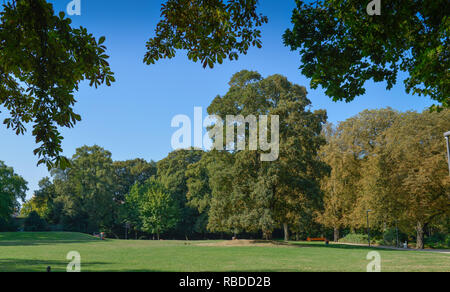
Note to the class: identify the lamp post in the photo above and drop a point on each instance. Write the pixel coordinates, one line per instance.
(368, 226)
(127, 226)
(447, 137)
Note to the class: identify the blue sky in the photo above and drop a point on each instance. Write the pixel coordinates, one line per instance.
(132, 119)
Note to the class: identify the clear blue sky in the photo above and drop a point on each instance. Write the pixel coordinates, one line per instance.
(132, 118)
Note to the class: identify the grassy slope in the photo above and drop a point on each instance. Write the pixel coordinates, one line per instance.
(36, 251)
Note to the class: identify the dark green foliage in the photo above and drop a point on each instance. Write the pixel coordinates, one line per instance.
(172, 174)
(249, 194)
(42, 61)
(8, 224)
(355, 238)
(342, 47)
(390, 237)
(88, 196)
(438, 240)
(151, 208)
(12, 189)
(128, 173)
(35, 223)
(210, 31)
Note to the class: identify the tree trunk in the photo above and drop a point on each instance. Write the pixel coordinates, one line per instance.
(157, 235)
(286, 232)
(420, 244)
(336, 234)
(267, 235)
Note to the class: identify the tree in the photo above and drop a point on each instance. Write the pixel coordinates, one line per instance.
(392, 163)
(157, 210)
(42, 61)
(172, 174)
(210, 31)
(340, 186)
(130, 172)
(34, 222)
(12, 189)
(199, 193)
(358, 139)
(342, 46)
(266, 194)
(86, 191)
(126, 175)
(419, 175)
(42, 200)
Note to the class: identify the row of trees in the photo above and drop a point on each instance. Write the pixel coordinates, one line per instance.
(393, 164)
(326, 177)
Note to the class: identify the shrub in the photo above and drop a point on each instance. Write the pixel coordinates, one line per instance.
(8, 225)
(35, 223)
(356, 238)
(390, 237)
(438, 240)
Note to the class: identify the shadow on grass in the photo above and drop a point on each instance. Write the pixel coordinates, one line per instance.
(25, 265)
(344, 247)
(43, 242)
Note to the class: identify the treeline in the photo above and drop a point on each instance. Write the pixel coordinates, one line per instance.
(324, 182)
(392, 164)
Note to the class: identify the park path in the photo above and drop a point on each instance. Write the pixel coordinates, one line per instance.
(441, 251)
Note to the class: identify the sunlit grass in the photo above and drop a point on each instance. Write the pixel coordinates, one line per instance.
(36, 251)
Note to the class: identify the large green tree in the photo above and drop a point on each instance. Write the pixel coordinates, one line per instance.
(12, 190)
(86, 191)
(127, 173)
(42, 200)
(172, 174)
(43, 59)
(277, 193)
(155, 208)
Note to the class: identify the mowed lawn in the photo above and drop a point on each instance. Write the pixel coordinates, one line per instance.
(23, 252)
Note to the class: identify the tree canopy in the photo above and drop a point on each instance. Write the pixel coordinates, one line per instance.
(12, 190)
(43, 59)
(342, 47)
(391, 163)
(247, 193)
(157, 211)
(210, 31)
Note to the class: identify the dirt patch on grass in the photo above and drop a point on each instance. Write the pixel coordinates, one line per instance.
(240, 243)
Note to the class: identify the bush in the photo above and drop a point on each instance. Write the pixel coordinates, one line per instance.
(438, 240)
(356, 238)
(35, 223)
(390, 237)
(8, 225)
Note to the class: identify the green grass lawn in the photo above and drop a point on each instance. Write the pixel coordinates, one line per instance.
(35, 251)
